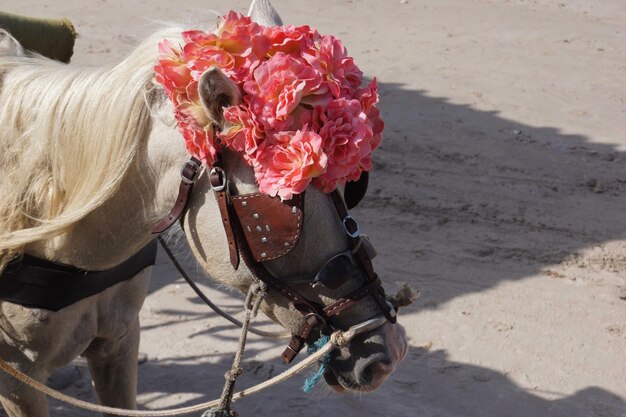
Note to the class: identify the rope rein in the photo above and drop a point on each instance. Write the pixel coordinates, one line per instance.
(337, 339)
(256, 293)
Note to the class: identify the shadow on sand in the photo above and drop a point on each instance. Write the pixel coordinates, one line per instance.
(417, 388)
(524, 197)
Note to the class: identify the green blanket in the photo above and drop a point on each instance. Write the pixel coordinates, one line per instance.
(53, 38)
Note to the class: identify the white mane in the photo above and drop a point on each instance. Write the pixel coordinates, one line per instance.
(68, 135)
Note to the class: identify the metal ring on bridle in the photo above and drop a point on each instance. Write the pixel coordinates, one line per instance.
(392, 309)
(217, 172)
(196, 169)
(322, 323)
(354, 231)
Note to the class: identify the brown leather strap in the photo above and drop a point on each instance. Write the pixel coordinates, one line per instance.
(311, 322)
(316, 320)
(189, 174)
(219, 183)
(352, 298)
(222, 203)
(309, 309)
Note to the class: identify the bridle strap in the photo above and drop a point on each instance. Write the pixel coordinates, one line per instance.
(315, 316)
(364, 260)
(218, 180)
(189, 175)
(219, 183)
(298, 340)
(352, 298)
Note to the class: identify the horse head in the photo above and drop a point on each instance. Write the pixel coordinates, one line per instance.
(370, 358)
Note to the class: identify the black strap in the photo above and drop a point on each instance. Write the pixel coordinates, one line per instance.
(38, 283)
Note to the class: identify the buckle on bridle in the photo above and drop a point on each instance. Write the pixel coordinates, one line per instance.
(217, 178)
(189, 171)
(393, 310)
(351, 226)
(320, 322)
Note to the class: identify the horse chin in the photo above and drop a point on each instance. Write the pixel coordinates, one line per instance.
(332, 382)
(341, 386)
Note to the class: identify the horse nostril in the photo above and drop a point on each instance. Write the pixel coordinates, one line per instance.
(367, 375)
(375, 374)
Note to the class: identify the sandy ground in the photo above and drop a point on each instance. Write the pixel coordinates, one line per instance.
(499, 191)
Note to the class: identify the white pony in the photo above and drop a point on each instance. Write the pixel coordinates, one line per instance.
(89, 162)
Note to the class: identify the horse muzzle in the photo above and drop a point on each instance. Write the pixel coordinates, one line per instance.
(368, 360)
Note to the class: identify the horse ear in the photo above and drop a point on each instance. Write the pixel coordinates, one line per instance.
(355, 190)
(216, 92)
(263, 13)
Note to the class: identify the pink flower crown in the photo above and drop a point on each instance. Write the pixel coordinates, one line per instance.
(304, 116)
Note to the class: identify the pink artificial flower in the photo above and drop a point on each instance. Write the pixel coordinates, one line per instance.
(201, 58)
(368, 97)
(278, 86)
(233, 21)
(331, 59)
(293, 159)
(347, 140)
(237, 48)
(202, 52)
(171, 71)
(305, 115)
(243, 133)
(291, 40)
(245, 41)
(200, 142)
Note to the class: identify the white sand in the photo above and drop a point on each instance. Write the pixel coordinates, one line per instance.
(499, 191)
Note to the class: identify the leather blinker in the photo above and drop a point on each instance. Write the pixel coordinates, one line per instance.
(355, 190)
(271, 227)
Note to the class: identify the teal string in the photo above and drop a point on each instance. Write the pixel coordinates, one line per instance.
(314, 377)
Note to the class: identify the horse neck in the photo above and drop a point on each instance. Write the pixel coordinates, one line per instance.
(123, 224)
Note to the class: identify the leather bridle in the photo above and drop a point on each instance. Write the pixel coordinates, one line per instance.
(279, 225)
